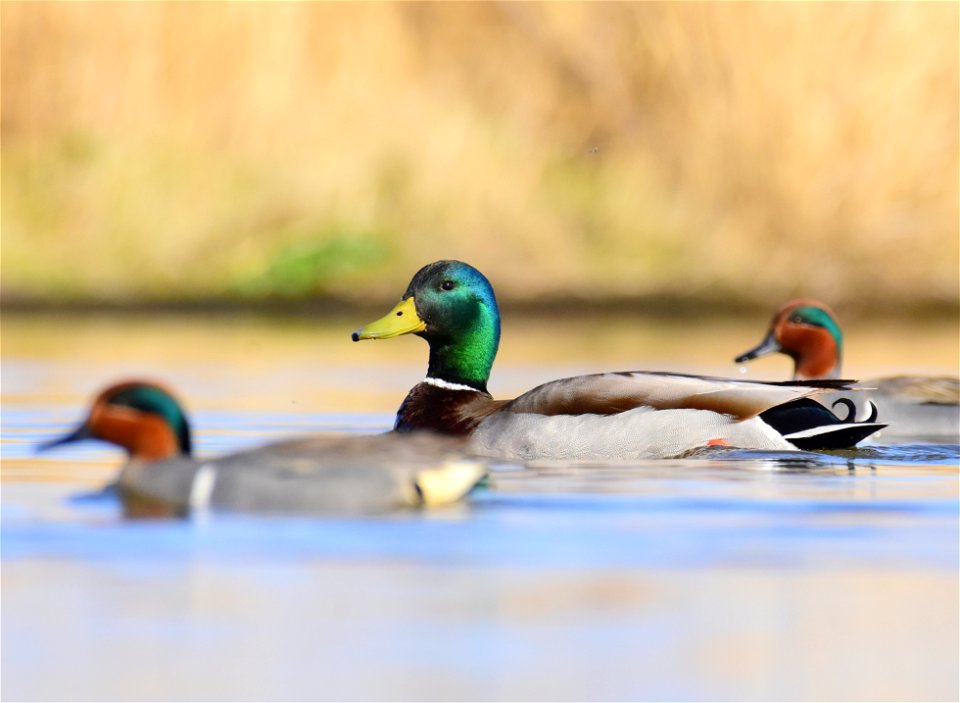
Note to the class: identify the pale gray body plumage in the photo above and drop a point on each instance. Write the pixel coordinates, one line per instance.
(342, 475)
(642, 433)
(633, 415)
(923, 408)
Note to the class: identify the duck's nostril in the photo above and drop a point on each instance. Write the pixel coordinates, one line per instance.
(399, 314)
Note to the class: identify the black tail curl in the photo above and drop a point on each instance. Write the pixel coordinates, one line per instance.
(852, 410)
(809, 425)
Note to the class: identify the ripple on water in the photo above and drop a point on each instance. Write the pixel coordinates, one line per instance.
(920, 454)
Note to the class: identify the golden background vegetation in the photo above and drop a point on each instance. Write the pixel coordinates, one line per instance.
(724, 153)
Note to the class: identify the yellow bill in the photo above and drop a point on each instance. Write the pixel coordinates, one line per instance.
(403, 319)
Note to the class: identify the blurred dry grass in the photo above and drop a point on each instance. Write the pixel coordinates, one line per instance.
(740, 152)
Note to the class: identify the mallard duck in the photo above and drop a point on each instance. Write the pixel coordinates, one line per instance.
(322, 474)
(602, 416)
(808, 332)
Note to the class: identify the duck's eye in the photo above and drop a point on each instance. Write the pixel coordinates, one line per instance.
(797, 319)
(447, 285)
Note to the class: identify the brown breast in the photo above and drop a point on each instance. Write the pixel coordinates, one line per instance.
(452, 412)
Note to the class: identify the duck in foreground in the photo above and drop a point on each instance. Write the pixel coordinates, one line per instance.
(343, 475)
(605, 416)
(807, 330)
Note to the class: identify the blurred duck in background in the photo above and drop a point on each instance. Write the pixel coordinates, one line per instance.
(322, 474)
(607, 416)
(918, 407)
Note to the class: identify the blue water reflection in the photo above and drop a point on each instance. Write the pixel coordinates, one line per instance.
(729, 574)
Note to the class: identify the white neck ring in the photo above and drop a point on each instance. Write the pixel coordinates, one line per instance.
(446, 385)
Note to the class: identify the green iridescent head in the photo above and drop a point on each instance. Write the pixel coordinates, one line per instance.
(452, 306)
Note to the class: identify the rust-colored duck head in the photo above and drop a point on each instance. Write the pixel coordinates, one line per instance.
(807, 331)
(140, 416)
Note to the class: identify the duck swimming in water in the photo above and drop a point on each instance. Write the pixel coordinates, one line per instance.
(605, 416)
(807, 330)
(322, 474)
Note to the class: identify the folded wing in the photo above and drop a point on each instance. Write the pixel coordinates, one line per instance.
(612, 393)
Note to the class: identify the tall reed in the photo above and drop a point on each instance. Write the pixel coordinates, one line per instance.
(743, 152)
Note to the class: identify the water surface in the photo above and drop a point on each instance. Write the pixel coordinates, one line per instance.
(727, 575)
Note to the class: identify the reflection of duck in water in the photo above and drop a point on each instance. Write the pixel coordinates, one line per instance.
(311, 475)
(806, 330)
(601, 416)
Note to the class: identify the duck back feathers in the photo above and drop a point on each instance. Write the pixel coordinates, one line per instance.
(612, 393)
